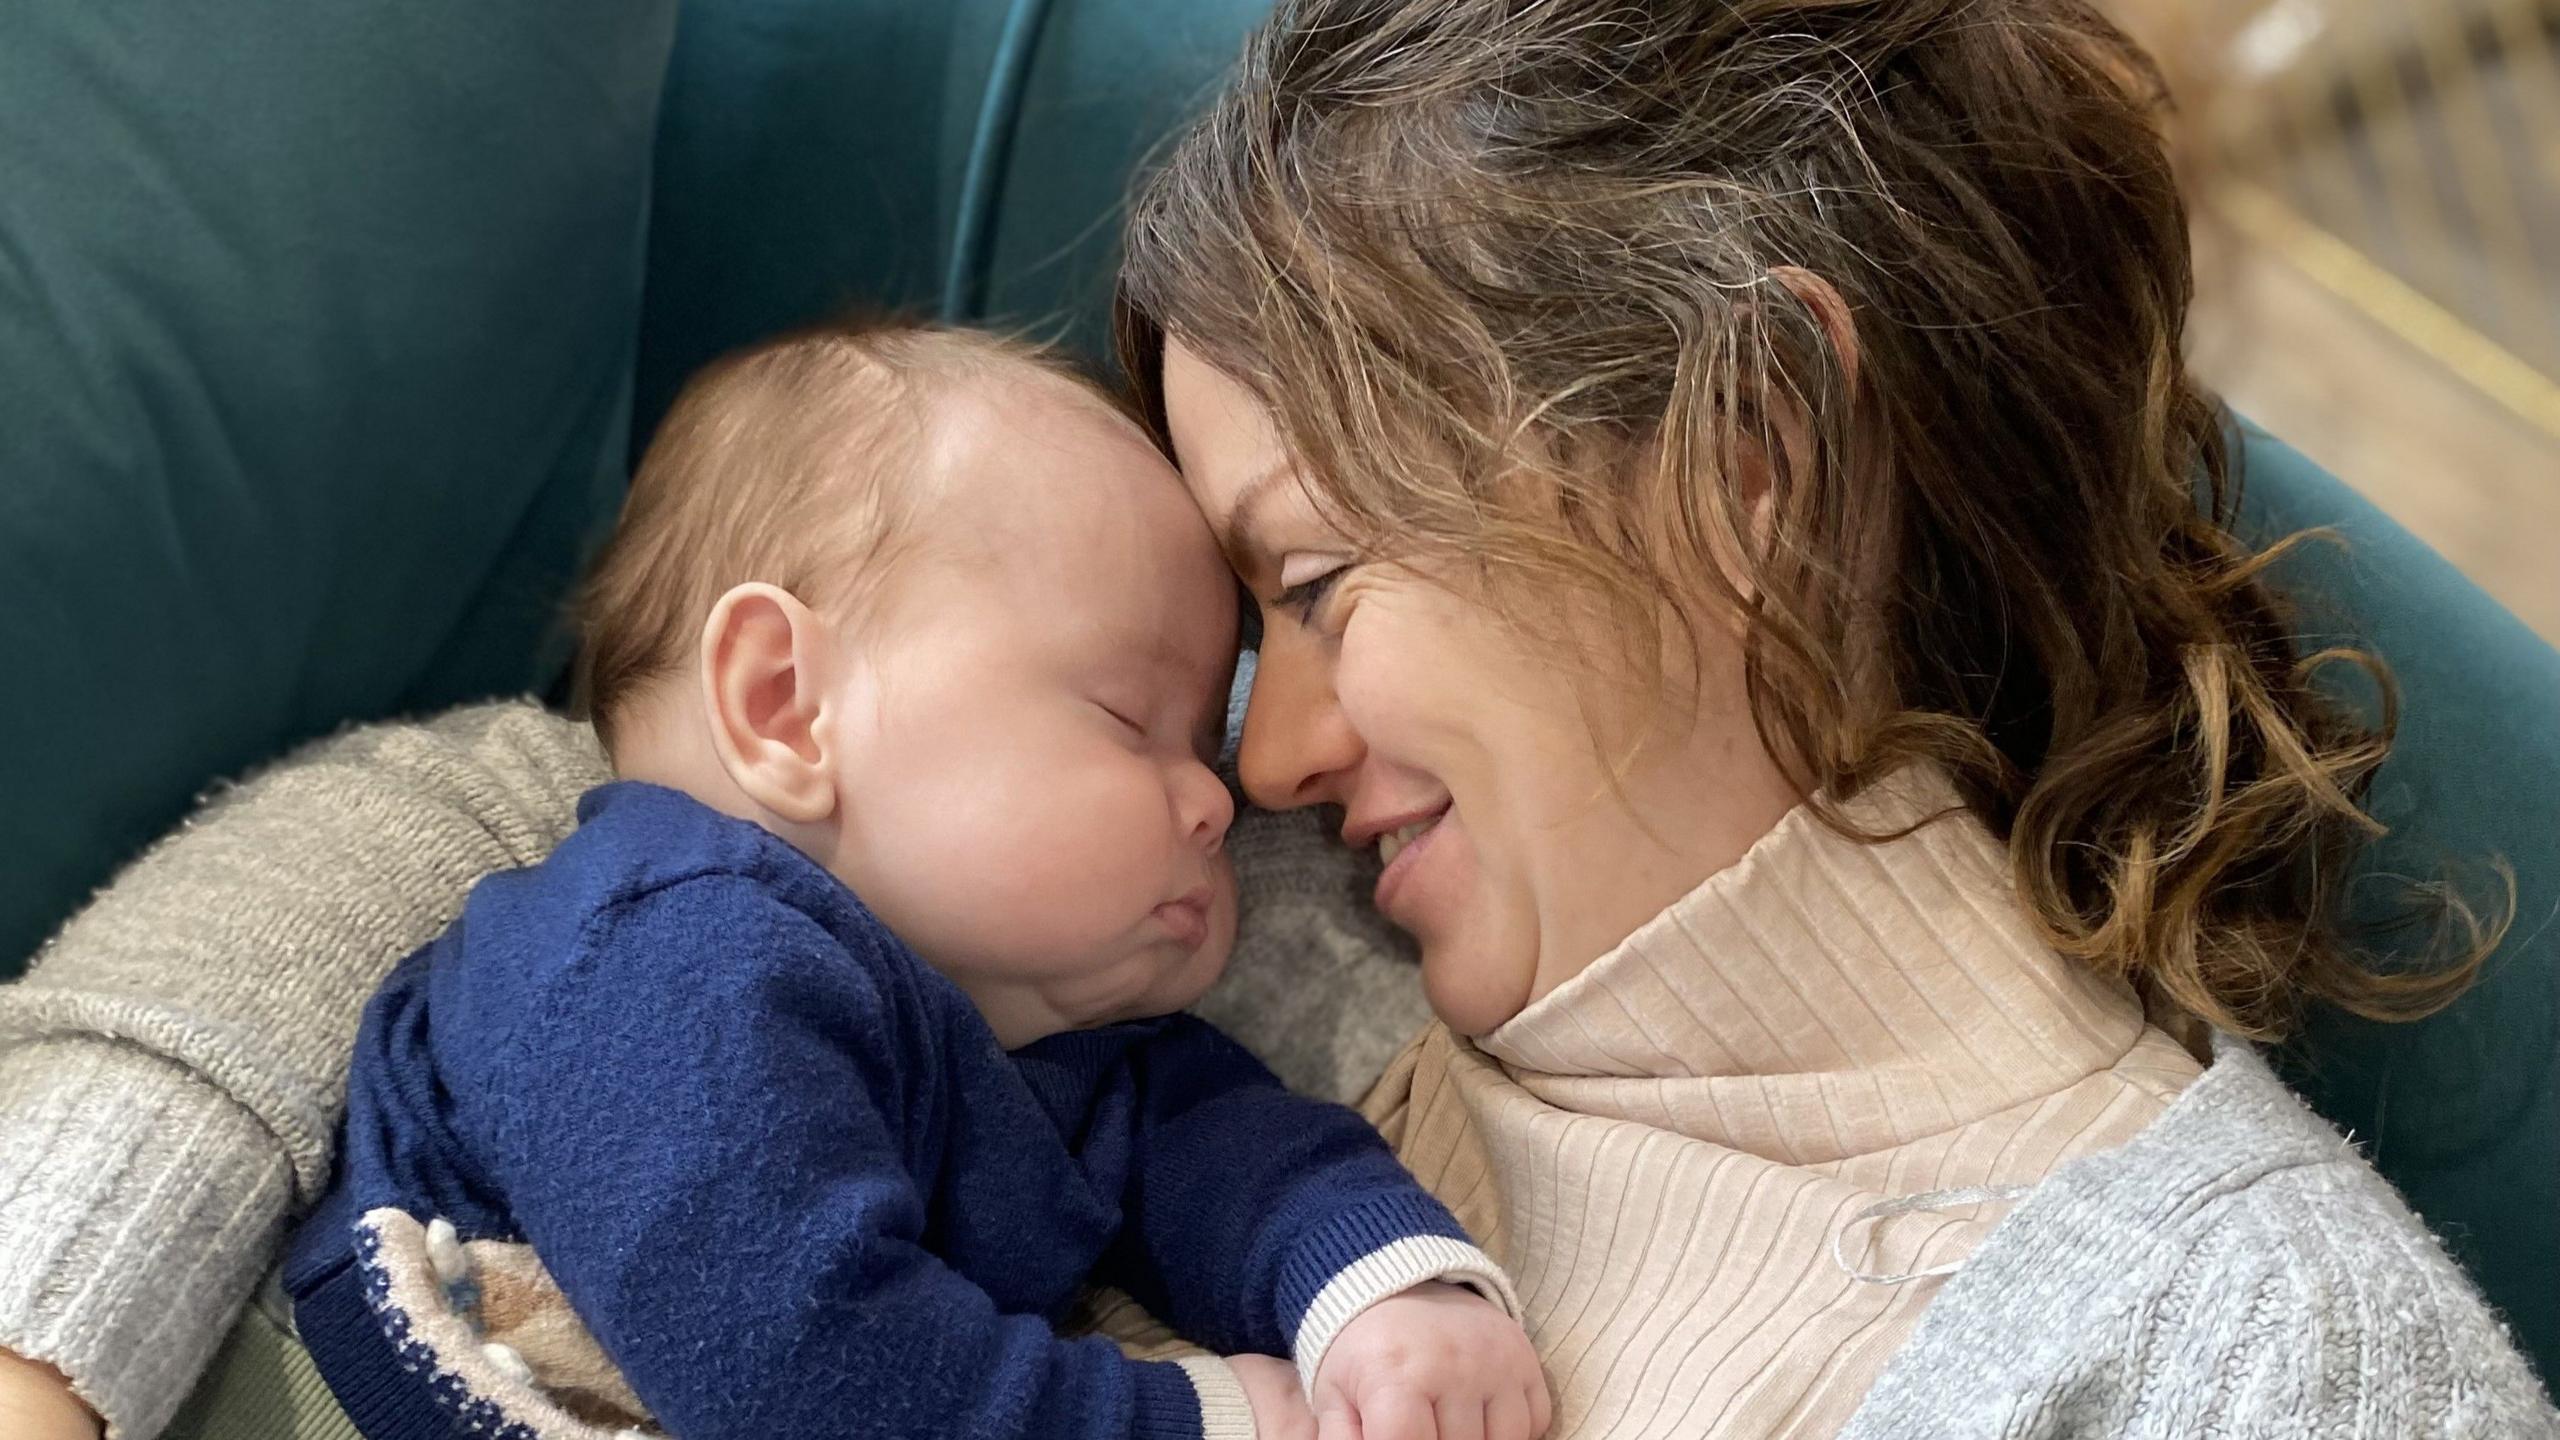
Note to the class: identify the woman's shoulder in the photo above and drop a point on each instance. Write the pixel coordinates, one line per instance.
(2287, 1252)
(2238, 1264)
(516, 742)
(2240, 1153)
(2254, 1172)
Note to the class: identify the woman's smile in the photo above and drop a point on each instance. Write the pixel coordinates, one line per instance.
(1403, 847)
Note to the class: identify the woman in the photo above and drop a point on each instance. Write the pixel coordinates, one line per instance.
(1715, 480)
(1627, 423)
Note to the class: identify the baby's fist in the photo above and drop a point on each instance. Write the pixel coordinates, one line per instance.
(1437, 1362)
(1271, 1387)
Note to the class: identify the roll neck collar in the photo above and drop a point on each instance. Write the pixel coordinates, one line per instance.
(1826, 987)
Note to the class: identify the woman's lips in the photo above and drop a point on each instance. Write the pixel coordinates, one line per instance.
(1395, 878)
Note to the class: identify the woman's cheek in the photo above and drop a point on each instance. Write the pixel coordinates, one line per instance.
(1364, 652)
(1386, 660)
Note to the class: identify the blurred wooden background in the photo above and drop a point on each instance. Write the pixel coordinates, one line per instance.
(2377, 188)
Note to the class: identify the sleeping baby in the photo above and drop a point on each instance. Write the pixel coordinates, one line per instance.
(836, 1053)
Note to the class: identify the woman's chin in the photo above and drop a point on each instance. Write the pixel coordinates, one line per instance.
(1473, 988)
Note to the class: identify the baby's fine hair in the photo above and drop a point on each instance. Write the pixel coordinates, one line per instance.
(795, 462)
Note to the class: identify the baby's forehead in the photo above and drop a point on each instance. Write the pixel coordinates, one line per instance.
(1032, 397)
(1015, 443)
(1052, 495)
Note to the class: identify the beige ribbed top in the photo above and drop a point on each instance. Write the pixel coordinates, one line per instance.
(1664, 1150)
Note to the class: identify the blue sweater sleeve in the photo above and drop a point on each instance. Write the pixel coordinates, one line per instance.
(697, 1126)
(1246, 1200)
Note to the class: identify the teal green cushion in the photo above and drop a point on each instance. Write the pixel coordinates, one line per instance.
(818, 154)
(1109, 84)
(315, 345)
(2461, 1111)
(798, 172)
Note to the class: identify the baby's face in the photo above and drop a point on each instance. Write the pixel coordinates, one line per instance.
(1030, 717)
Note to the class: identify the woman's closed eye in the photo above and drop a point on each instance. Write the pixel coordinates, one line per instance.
(1300, 597)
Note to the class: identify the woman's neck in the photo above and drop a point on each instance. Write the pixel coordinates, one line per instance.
(1863, 993)
(1689, 833)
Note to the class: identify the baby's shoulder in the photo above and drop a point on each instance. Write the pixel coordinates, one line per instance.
(562, 941)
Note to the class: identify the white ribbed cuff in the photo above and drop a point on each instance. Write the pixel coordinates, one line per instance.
(138, 1206)
(1225, 1414)
(1391, 1270)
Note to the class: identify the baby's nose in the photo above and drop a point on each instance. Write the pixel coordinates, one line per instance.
(1206, 808)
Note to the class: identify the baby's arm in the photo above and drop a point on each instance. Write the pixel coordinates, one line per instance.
(708, 1158)
(1264, 1221)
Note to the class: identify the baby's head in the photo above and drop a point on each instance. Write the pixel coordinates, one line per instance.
(927, 605)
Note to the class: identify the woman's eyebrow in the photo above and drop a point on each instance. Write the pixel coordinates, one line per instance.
(1240, 530)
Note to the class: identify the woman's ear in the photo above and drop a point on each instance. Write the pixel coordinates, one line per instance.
(765, 664)
(1829, 310)
(1788, 425)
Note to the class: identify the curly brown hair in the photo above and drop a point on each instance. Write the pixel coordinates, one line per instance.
(1516, 280)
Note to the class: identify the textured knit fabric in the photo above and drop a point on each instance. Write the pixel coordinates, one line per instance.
(142, 1182)
(178, 1053)
(2234, 1270)
(261, 1385)
(173, 1067)
(792, 1183)
(2237, 1269)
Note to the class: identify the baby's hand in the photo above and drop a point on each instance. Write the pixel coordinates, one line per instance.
(1436, 1361)
(1279, 1402)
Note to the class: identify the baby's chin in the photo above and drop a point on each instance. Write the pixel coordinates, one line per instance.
(1188, 977)
(1192, 976)
(1151, 982)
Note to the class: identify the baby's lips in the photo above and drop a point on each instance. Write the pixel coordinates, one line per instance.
(1187, 919)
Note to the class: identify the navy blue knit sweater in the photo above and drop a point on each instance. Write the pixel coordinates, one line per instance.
(788, 1178)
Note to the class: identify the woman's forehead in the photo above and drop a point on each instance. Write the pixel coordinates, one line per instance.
(1219, 426)
(1230, 453)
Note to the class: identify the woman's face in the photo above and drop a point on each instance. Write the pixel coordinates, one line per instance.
(1465, 757)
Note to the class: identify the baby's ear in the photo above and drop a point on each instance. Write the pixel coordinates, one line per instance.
(764, 662)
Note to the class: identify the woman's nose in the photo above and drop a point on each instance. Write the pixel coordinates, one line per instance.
(1297, 748)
